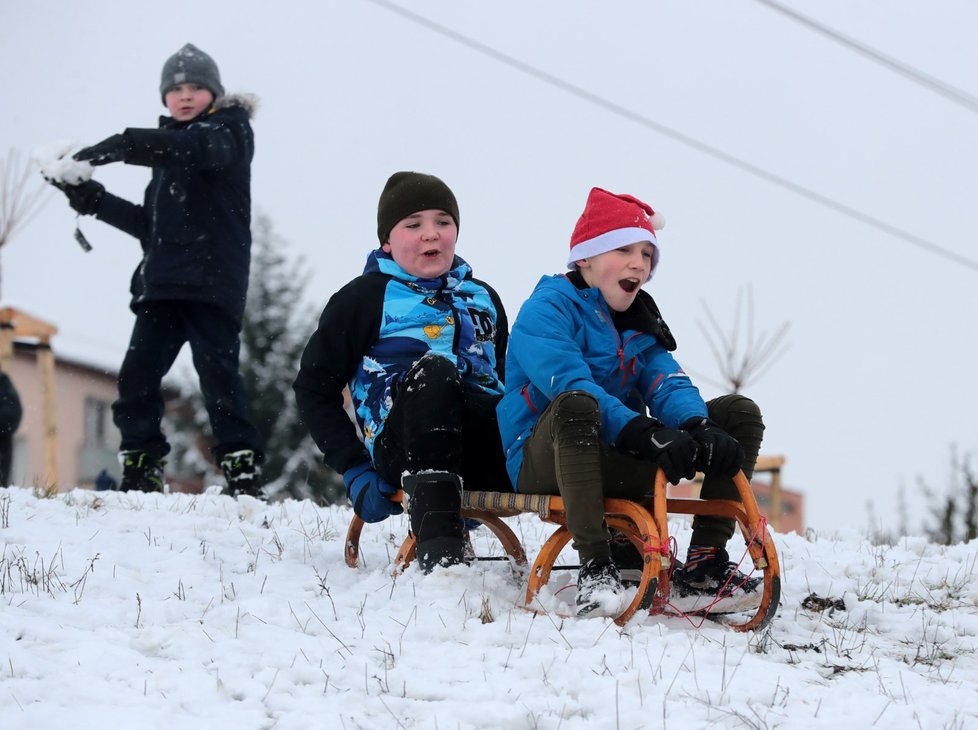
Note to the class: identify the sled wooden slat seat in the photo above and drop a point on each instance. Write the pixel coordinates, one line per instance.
(644, 523)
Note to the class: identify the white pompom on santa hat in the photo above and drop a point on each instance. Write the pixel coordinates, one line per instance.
(610, 221)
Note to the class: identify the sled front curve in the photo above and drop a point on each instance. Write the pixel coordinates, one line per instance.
(760, 545)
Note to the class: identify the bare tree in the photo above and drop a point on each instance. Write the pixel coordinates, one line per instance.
(18, 204)
(741, 354)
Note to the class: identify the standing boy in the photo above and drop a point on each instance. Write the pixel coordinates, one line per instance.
(194, 228)
(420, 343)
(589, 354)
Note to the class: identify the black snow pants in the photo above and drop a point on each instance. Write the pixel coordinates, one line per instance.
(160, 331)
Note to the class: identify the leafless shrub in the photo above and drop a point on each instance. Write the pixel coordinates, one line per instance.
(741, 354)
(19, 200)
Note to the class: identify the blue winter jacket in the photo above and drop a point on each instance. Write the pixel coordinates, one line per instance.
(565, 339)
(374, 329)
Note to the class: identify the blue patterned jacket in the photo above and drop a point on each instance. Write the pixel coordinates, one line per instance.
(374, 329)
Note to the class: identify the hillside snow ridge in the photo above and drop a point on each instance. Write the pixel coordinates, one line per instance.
(163, 611)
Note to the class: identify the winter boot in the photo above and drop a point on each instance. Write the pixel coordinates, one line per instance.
(241, 471)
(141, 471)
(599, 589)
(627, 557)
(710, 583)
(435, 504)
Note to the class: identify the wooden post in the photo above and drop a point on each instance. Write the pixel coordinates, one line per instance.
(772, 465)
(6, 344)
(776, 508)
(45, 365)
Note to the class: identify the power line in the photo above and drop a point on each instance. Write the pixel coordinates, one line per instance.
(968, 101)
(684, 139)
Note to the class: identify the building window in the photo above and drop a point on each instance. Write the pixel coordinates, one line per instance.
(98, 422)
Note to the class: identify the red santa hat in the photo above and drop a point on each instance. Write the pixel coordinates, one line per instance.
(611, 221)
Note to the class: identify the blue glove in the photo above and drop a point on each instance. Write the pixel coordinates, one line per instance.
(369, 493)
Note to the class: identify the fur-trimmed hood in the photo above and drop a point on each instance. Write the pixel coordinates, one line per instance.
(248, 102)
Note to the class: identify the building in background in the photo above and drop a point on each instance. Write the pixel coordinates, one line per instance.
(87, 440)
(768, 490)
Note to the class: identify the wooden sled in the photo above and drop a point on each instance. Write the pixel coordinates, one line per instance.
(644, 523)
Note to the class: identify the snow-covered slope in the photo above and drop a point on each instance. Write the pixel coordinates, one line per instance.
(166, 611)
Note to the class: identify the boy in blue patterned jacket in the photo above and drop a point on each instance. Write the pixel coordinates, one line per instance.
(421, 345)
(589, 356)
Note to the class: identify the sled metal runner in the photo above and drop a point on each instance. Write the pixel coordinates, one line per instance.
(644, 523)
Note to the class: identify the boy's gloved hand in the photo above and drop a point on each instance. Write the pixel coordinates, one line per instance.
(83, 198)
(720, 453)
(110, 149)
(370, 493)
(673, 450)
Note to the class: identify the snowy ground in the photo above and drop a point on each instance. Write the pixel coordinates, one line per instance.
(166, 611)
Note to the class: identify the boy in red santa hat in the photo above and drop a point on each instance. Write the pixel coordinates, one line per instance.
(595, 403)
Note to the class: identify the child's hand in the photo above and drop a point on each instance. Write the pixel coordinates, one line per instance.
(369, 493)
(673, 451)
(720, 453)
(83, 198)
(110, 149)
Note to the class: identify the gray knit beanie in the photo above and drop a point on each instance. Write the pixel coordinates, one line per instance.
(190, 65)
(408, 192)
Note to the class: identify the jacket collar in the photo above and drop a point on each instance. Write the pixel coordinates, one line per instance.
(642, 316)
(380, 262)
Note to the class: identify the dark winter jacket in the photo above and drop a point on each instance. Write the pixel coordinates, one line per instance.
(195, 221)
(10, 408)
(566, 338)
(374, 329)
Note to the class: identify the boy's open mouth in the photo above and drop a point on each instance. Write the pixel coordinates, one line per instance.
(629, 285)
(432, 253)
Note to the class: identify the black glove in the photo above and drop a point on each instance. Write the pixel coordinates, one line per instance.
(720, 453)
(84, 198)
(110, 149)
(674, 451)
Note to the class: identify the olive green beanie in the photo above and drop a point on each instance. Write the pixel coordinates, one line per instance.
(408, 192)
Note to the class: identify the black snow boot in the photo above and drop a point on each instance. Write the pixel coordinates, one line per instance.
(242, 473)
(435, 504)
(599, 588)
(141, 471)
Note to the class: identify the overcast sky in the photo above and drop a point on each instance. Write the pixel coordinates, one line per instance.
(876, 385)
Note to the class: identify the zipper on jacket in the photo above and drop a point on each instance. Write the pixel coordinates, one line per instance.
(153, 233)
(655, 384)
(450, 301)
(631, 367)
(622, 366)
(525, 392)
